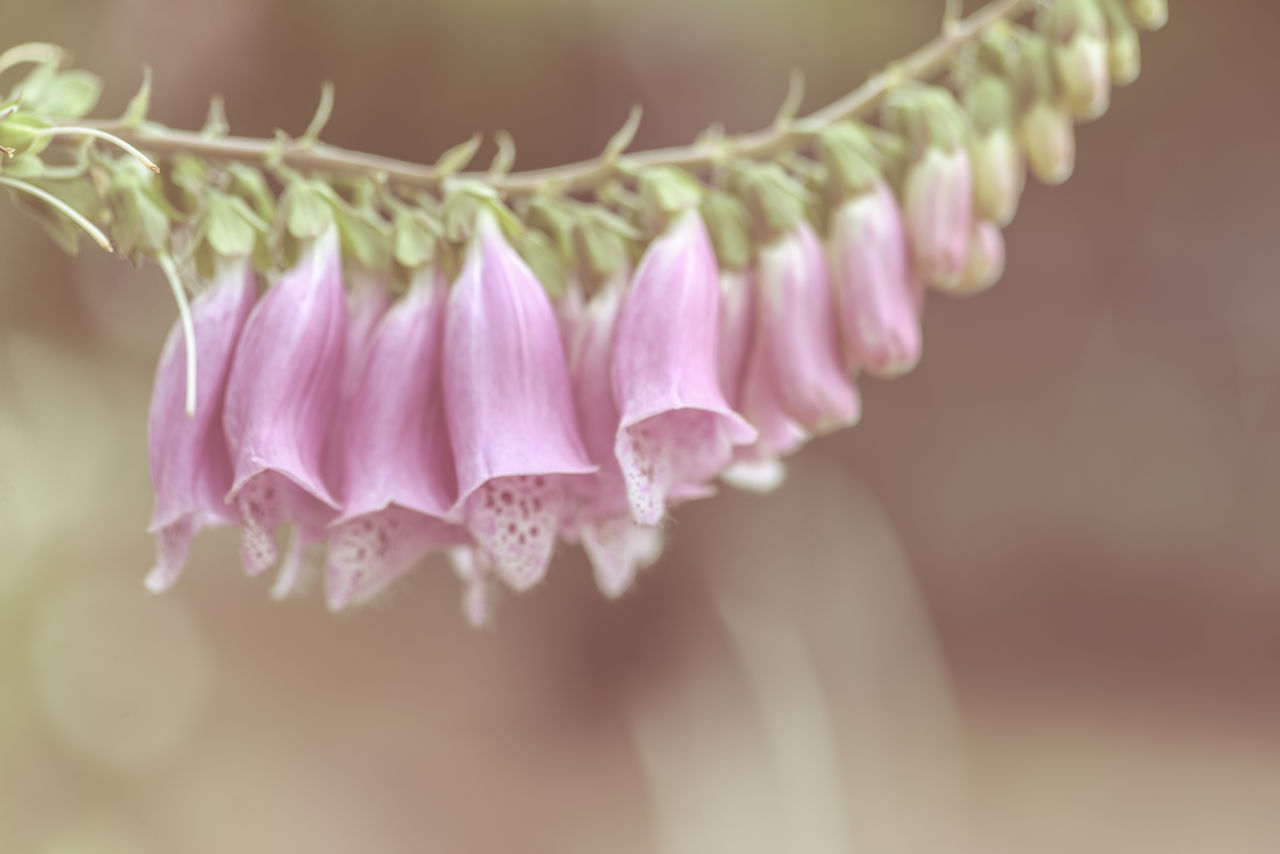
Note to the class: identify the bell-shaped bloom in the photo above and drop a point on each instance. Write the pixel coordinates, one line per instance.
(938, 208)
(616, 546)
(676, 428)
(737, 325)
(877, 295)
(397, 464)
(511, 419)
(282, 394)
(796, 333)
(1050, 139)
(986, 259)
(190, 464)
(999, 174)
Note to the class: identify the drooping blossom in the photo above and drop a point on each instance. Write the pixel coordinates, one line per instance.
(282, 394)
(398, 481)
(676, 429)
(616, 546)
(876, 292)
(1049, 137)
(367, 301)
(938, 209)
(796, 333)
(1078, 29)
(190, 465)
(511, 419)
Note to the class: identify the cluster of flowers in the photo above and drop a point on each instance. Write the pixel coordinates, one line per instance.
(480, 417)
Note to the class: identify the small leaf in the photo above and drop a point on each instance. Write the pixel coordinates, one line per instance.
(456, 159)
(136, 111)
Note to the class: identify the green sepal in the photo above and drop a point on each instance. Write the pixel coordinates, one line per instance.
(1033, 78)
(189, 174)
(308, 208)
(776, 201)
(602, 246)
(665, 192)
(413, 238)
(251, 185)
(547, 264)
(365, 236)
(233, 229)
(140, 214)
(21, 132)
(136, 110)
(851, 159)
(729, 225)
(78, 192)
(989, 101)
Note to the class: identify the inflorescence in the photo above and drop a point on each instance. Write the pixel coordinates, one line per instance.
(486, 363)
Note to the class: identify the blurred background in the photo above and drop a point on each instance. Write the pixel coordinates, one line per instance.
(1028, 605)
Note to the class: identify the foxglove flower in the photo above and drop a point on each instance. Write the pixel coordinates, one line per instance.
(397, 466)
(367, 301)
(282, 393)
(510, 411)
(676, 428)
(796, 333)
(190, 464)
(876, 293)
(938, 206)
(1079, 30)
(1050, 139)
(616, 546)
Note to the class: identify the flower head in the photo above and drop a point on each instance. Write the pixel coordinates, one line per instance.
(676, 429)
(190, 464)
(511, 419)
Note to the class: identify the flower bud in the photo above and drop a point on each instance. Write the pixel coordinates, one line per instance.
(999, 174)
(1049, 137)
(1124, 54)
(1078, 31)
(986, 260)
(1149, 14)
(938, 206)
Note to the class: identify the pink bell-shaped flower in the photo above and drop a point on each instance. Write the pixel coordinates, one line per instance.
(616, 546)
(676, 428)
(397, 465)
(190, 464)
(282, 394)
(938, 206)
(510, 411)
(796, 333)
(876, 292)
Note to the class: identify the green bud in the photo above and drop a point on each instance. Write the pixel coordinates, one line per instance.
(1124, 54)
(1049, 138)
(999, 174)
(1078, 33)
(1149, 14)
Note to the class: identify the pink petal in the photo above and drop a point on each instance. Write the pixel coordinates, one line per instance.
(618, 548)
(282, 392)
(190, 465)
(676, 427)
(938, 206)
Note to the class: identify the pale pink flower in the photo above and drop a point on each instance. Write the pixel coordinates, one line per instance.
(676, 428)
(877, 295)
(796, 334)
(511, 420)
(397, 465)
(938, 210)
(190, 464)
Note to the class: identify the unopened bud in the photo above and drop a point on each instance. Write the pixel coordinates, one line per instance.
(1149, 14)
(1049, 138)
(986, 260)
(1078, 31)
(1124, 55)
(999, 174)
